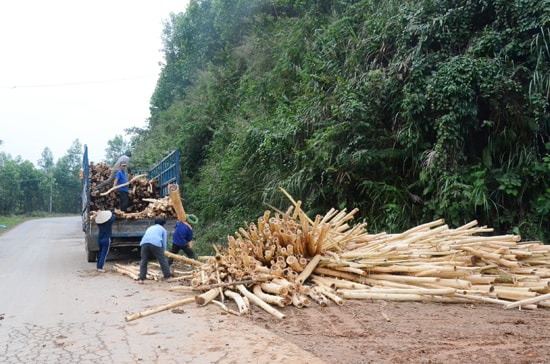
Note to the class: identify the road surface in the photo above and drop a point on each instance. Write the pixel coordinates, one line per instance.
(56, 308)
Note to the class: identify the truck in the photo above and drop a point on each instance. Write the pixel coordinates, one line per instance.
(127, 233)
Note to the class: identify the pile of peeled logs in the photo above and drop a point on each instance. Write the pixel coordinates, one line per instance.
(286, 258)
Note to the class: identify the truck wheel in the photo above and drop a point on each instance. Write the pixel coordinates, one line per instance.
(92, 256)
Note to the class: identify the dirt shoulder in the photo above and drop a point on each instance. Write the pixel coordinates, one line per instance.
(415, 332)
(367, 331)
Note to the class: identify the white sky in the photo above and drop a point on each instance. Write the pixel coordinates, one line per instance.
(92, 65)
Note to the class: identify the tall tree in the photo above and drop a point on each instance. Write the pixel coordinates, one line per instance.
(67, 177)
(46, 162)
(35, 197)
(10, 191)
(115, 148)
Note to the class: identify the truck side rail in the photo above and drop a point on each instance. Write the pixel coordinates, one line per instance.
(166, 172)
(85, 196)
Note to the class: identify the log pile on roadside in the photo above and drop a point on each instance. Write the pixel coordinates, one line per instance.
(288, 259)
(145, 201)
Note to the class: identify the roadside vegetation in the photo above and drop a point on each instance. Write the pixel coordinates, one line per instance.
(408, 110)
(51, 187)
(8, 222)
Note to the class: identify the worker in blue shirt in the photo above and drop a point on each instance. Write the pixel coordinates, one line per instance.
(183, 234)
(123, 191)
(153, 244)
(124, 159)
(104, 221)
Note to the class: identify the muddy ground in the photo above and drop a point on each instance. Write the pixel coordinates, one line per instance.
(369, 331)
(415, 332)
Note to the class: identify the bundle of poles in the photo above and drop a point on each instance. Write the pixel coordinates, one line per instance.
(286, 258)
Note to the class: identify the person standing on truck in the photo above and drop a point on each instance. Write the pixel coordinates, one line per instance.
(121, 179)
(122, 159)
(183, 235)
(153, 244)
(104, 221)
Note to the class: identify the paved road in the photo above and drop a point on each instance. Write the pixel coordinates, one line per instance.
(55, 308)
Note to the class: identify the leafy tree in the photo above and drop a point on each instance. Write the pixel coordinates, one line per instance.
(115, 148)
(34, 196)
(46, 161)
(10, 191)
(67, 177)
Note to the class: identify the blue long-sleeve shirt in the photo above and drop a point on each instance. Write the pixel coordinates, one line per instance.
(182, 234)
(105, 229)
(121, 179)
(155, 235)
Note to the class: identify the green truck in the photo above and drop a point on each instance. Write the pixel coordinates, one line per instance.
(127, 233)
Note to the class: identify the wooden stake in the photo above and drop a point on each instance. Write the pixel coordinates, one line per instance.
(122, 185)
(241, 304)
(527, 301)
(308, 269)
(160, 308)
(205, 287)
(266, 307)
(174, 192)
(181, 258)
(206, 297)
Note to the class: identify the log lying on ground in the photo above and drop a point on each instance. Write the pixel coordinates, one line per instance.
(182, 258)
(160, 308)
(266, 307)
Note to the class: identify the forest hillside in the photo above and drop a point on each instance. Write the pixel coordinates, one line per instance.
(408, 110)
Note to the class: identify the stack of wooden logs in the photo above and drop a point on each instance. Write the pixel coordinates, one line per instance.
(145, 201)
(288, 259)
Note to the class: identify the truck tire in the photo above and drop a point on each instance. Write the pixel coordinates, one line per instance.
(92, 256)
(91, 251)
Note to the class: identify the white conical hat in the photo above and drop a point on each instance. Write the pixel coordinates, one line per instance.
(103, 216)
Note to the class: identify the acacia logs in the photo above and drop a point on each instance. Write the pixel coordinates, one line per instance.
(141, 194)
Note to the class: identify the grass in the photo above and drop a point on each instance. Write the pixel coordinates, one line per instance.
(11, 221)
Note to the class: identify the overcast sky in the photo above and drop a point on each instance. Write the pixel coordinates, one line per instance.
(73, 69)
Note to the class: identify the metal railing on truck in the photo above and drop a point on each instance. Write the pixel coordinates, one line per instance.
(166, 172)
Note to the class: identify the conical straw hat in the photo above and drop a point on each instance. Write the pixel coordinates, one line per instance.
(103, 216)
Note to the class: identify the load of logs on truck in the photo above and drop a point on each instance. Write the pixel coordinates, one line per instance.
(149, 198)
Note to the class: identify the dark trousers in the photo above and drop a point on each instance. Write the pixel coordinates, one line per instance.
(103, 245)
(124, 200)
(176, 249)
(148, 252)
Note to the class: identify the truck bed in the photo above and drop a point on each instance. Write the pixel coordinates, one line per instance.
(131, 230)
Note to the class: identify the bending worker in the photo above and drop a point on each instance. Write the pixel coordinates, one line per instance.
(153, 244)
(183, 235)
